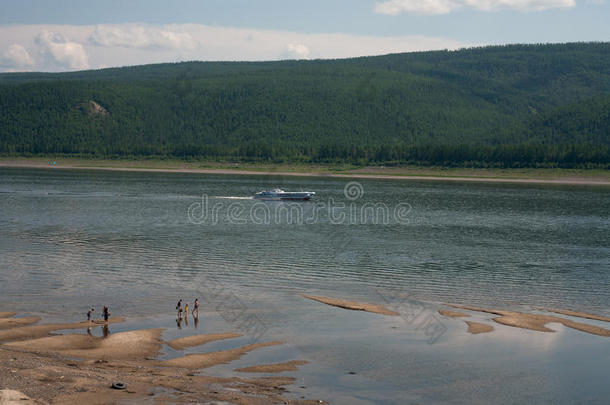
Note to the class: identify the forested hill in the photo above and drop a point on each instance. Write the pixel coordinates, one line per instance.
(517, 105)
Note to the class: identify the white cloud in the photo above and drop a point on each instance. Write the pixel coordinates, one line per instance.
(17, 56)
(296, 51)
(141, 36)
(519, 5)
(425, 7)
(435, 7)
(64, 52)
(132, 44)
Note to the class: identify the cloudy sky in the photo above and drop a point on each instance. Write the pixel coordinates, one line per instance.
(62, 35)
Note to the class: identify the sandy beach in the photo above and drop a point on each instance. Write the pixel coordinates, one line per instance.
(39, 368)
(364, 173)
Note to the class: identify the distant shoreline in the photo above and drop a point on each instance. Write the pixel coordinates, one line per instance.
(390, 173)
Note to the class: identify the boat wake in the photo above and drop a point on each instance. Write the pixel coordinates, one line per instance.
(232, 198)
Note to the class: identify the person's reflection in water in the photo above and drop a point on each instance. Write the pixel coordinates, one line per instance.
(186, 320)
(179, 322)
(106, 330)
(89, 331)
(196, 319)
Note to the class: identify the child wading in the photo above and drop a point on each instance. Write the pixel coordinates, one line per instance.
(196, 307)
(90, 315)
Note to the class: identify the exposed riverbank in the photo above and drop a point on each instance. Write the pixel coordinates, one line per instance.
(549, 176)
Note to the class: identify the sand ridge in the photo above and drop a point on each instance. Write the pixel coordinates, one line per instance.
(123, 345)
(9, 323)
(577, 314)
(205, 360)
(451, 314)
(476, 327)
(355, 306)
(7, 314)
(198, 340)
(535, 322)
(273, 368)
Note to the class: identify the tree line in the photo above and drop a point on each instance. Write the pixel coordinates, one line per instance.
(506, 106)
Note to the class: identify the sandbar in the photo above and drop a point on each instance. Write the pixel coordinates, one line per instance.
(577, 314)
(476, 327)
(205, 360)
(198, 340)
(451, 314)
(355, 306)
(273, 368)
(7, 314)
(535, 322)
(123, 345)
(7, 323)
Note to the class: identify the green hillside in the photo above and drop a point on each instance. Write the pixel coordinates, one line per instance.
(506, 106)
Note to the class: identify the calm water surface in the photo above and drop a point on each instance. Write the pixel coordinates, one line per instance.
(138, 241)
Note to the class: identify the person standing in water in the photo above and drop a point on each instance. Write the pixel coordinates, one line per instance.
(196, 308)
(186, 310)
(90, 315)
(106, 314)
(179, 308)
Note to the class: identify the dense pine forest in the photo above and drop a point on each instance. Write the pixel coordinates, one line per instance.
(500, 106)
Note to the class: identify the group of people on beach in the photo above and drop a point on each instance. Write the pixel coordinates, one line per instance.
(105, 317)
(105, 314)
(182, 312)
(185, 311)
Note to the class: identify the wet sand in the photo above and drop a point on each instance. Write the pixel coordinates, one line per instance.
(205, 360)
(577, 314)
(535, 322)
(477, 327)
(355, 306)
(6, 323)
(198, 340)
(37, 331)
(451, 314)
(124, 345)
(7, 314)
(273, 368)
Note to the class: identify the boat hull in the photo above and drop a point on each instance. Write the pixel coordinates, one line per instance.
(305, 198)
(281, 195)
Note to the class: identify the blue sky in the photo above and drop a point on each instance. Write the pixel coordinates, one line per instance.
(71, 35)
